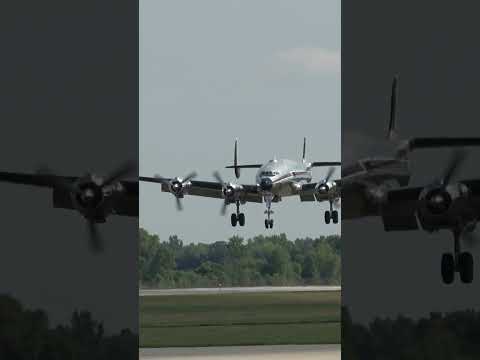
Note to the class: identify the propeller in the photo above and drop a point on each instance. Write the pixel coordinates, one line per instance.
(176, 186)
(89, 193)
(226, 190)
(438, 199)
(323, 187)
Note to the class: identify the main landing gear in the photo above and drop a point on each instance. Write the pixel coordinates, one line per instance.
(331, 215)
(238, 216)
(269, 211)
(461, 262)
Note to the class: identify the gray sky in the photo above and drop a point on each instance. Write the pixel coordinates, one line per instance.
(266, 72)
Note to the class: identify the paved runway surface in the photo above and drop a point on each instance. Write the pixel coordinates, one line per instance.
(230, 290)
(301, 352)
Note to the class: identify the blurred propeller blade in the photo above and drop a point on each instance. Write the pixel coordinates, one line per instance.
(330, 172)
(217, 177)
(122, 171)
(189, 176)
(223, 209)
(96, 243)
(58, 181)
(456, 161)
(178, 202)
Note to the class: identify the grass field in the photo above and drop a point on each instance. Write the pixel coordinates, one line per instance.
(240, 319)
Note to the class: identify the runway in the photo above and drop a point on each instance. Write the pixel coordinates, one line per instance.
(278, 352)
(231, 290)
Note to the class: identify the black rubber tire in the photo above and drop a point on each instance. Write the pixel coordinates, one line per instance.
(448, 268)
(327, 217)
(234, 219)
(465, 265)
(271, 223)
(241, 219)
(335, 216)
(266, 224)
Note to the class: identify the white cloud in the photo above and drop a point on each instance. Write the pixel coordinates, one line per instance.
(316, 60)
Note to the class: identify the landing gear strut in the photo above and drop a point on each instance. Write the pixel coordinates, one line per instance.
(269, 211)
(331, 215)
(238, 216)
(461, 262)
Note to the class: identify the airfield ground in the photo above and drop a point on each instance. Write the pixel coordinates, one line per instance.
(228, 319)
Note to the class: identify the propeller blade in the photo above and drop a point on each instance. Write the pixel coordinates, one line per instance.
(58, 181)
(330, 172)
(96, 243)
(456, 161)
(470, 238)
(223, 209)
(123, 170)
(178, 202)
(336, 203)
(217, 176)
(189, 177)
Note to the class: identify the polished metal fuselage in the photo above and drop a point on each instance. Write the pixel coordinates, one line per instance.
(286, 176)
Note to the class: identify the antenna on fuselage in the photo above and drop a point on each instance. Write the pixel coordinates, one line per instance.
(304, 148)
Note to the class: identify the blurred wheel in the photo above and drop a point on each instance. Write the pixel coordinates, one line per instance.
(448, 268)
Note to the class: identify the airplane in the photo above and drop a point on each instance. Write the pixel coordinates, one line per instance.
(366, 182)
(380, 187)
(443, 204)
(274, 180)
(93, 196)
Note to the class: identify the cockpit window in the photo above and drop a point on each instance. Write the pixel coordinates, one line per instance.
(269, 173)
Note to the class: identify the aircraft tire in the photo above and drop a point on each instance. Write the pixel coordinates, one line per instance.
(266, 224)
(241, 219)
(327, 217)
(234, 219)
(271, 223)
(465, 262)
(448, 268)
(335, 216)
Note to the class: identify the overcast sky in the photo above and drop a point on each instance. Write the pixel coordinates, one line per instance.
(266, 72)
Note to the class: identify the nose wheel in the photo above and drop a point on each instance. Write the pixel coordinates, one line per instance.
(461, 262)
(268, 223)
(331, 215)
(268, 212)
(238, 217)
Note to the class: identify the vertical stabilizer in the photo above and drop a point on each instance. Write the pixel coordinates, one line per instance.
(391, 134)
(235, 161)
(304, 148)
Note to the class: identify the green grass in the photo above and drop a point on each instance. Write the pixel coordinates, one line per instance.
(240, 319)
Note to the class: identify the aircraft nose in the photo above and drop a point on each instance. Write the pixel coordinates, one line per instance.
(266, 184)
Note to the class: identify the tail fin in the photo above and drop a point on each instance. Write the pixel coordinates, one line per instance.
(235, 161)
(391, 134)
(304, 148)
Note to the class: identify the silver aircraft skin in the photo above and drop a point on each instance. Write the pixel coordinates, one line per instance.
(274, 180)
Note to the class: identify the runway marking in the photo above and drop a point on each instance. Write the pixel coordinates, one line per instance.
(304, 352)
(232, 290)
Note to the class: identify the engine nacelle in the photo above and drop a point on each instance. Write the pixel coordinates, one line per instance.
(178, 187)
(231, 191)
(326, 191)
(443, 207)
(88, 193)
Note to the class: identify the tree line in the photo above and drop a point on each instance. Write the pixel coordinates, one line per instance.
(26, 334)
(437, 337)
(261, 260)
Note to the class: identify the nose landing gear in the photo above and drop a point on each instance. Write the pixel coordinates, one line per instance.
(269, 211)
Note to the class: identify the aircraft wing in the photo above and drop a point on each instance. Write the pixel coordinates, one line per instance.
(307, 192)
(125, 204)
(43, 180)
(211, 189)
